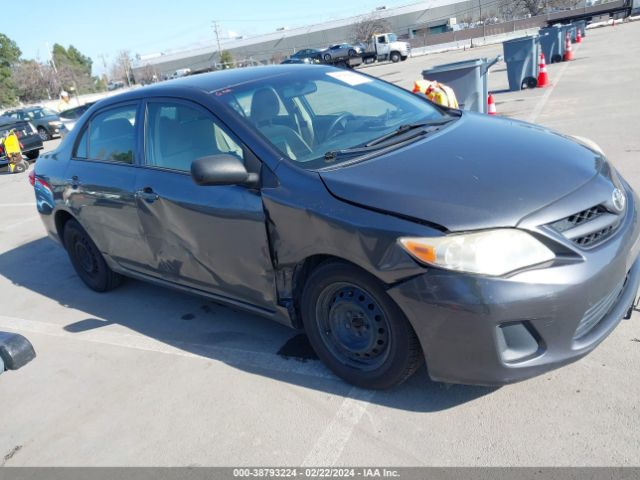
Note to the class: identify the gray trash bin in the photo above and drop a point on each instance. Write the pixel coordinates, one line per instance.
(552, 44)
(522, 56)
(468, 80)
(582, 26)
(571, 30)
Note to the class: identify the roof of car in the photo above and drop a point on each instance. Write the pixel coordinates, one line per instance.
(213, 81)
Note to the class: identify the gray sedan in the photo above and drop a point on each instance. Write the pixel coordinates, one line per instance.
(340, 50)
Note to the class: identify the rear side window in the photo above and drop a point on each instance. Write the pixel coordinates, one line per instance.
(110, 136)
(177, 134)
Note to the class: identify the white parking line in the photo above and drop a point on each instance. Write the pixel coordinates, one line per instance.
(543, 101)
(243, 359)
(331, 443)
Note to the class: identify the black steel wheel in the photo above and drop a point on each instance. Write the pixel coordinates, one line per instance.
(87, 260)
(356, 329)
(44, 135)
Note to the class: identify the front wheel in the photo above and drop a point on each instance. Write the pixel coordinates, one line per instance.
(44, 135)
(327, 58)
(87, 260)
(395, 57)
(356, 329)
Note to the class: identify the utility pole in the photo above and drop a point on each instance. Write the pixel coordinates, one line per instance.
(484, 26)
(217, 32)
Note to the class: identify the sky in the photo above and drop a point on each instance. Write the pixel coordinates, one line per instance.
(102, 28)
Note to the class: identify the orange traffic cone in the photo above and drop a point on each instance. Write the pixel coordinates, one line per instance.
(491, 110)
(568, 52)
(543, 76)
(579, 37)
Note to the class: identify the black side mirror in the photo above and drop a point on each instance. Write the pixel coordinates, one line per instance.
(223, 169)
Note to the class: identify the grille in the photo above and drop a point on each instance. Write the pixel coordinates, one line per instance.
(589, 227)
(592, 317)
(578, 218)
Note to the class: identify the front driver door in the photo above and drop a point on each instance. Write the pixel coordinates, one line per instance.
(209, 238)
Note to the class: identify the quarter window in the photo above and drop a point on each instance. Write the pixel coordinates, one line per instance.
(112, 136)
(178, 134)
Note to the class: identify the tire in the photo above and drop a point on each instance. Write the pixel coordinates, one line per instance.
(352, 53)
(356, 329)
(395, 57)
(327, 57)
(529, 82)
(87, 260)
(44, 135)
(21, 167)
(556, 58)
(33, 154)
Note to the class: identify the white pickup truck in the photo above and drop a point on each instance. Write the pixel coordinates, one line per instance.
(385, 46)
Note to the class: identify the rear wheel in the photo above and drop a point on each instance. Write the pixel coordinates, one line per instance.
(87, 260)
(327, 57)
(529, 82)
(356, 329)
(352, 53)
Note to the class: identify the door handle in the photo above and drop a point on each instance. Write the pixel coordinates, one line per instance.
(147, 194)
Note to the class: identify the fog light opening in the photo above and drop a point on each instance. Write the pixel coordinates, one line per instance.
(518, 341)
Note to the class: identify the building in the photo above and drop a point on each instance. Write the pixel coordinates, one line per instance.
(430, 16)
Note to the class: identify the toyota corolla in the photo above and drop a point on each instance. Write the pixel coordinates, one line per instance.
(391, 230)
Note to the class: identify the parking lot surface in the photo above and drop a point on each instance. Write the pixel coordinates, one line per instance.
(147, 376)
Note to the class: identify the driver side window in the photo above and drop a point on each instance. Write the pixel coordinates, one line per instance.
(178, 134)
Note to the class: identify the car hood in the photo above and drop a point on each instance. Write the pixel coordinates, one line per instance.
(479, 172)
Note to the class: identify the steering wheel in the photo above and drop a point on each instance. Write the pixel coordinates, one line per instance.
(338, 125)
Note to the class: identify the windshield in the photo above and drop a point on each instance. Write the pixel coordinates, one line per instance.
(41, 113)
(320, 110)
(393, 37)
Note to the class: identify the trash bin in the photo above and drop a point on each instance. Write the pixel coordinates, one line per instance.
(582, 26)
(468, 80)
(522, 55)
(571, 30)
(552, 44)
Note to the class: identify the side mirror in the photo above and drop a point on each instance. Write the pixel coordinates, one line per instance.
(223, 169)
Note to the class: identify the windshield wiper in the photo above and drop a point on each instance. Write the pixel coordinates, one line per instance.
(379, 143)
(408, 127)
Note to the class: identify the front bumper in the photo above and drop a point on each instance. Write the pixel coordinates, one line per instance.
(494, 331)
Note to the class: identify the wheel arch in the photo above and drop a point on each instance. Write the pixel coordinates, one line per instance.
(61, 218)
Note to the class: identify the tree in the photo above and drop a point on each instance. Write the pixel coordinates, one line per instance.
(121, 68)
(368, 26)
(9, 56)
(226, 59)
(34, 81)
(521, 8)
(72, 69)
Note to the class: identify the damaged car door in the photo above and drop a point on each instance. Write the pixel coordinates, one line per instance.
(211, 239)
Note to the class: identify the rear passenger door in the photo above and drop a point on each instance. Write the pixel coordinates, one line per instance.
(209, 238)
(100, 181)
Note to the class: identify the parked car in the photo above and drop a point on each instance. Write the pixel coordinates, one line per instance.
(390, 229)
(71, 116)
(46, 121)
(307, 55)
(115, 85)
(28, 135)
(340, 50)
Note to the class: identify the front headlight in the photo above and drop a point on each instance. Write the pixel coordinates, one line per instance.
(491, 252)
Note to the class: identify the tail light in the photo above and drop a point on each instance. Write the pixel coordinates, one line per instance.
(32, 177)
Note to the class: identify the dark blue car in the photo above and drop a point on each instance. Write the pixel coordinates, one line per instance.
(388, 228)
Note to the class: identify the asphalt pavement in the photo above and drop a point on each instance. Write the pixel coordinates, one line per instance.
(148, 376)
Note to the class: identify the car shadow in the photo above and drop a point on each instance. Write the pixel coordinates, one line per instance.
(199, 327)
